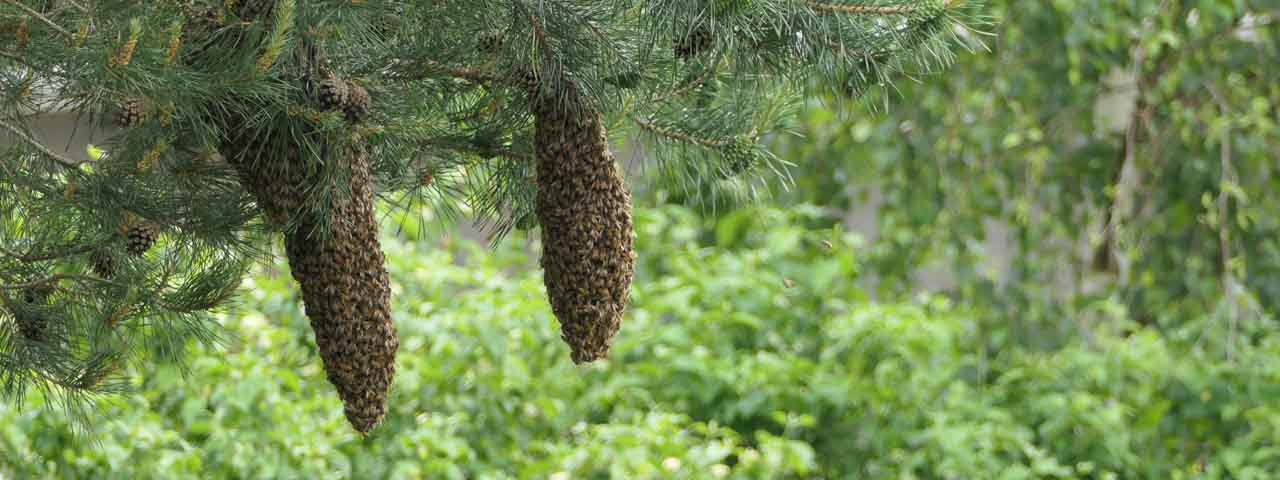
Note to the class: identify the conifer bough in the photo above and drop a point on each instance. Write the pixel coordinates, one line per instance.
(239, 119)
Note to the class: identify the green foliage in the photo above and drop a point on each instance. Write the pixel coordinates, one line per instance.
(204, 91)
(1129, 147)
(749, 353)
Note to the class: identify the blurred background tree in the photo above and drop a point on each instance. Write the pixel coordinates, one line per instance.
(1106, 159)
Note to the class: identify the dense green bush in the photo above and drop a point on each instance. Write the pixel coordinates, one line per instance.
(750, 352)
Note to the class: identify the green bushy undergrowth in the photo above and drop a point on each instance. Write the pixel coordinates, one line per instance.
(759, 357)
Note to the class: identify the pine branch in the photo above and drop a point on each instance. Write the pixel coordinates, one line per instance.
(466, 73)
(42, 18)
(486, 152)
(677, 135)
(689, 86)
(30, 258)
(53, 279)
(539, 33)
(78, 6)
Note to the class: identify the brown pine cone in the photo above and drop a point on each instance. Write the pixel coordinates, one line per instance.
(332, 94)
(140, 237)
(129, 114)
(694, 43)
(103, 264)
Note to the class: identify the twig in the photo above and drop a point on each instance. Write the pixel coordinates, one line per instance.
(538, 32)
(686, 88)
(677, 135)
(495, 151)
(40, 17)
(67, 162)
(466, 73)
(55, 278)
(872, 9)
(78, 6)
(29, 257)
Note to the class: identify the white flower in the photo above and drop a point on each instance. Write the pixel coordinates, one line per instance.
(720, 470)
(671, 464)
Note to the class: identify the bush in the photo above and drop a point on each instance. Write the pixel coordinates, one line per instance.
(750, 351)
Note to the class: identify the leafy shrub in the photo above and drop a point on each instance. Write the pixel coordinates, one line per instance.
(749, 352)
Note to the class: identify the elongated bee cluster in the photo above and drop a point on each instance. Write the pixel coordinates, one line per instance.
(584, 208)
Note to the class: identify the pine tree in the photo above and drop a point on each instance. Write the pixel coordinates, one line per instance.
(246, 120)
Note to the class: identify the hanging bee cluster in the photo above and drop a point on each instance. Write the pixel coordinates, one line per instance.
(340, 269)
(336, 258)
(358, 104)
(347, 293)
(490, 41)
(584, 208)
(335, 255)
(331, 94)
(345, 286)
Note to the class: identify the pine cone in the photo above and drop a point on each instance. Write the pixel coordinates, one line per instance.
(93, 374)
(738, 157)
(584, 208)
(129, 114)
(140, 237)
(695, 42)
(530, 83)
(103, 264)
(358, 103)
(200, 22)
(344, 283)
(490, 42)
(31, 324)
(35, 296)
(332, 94)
